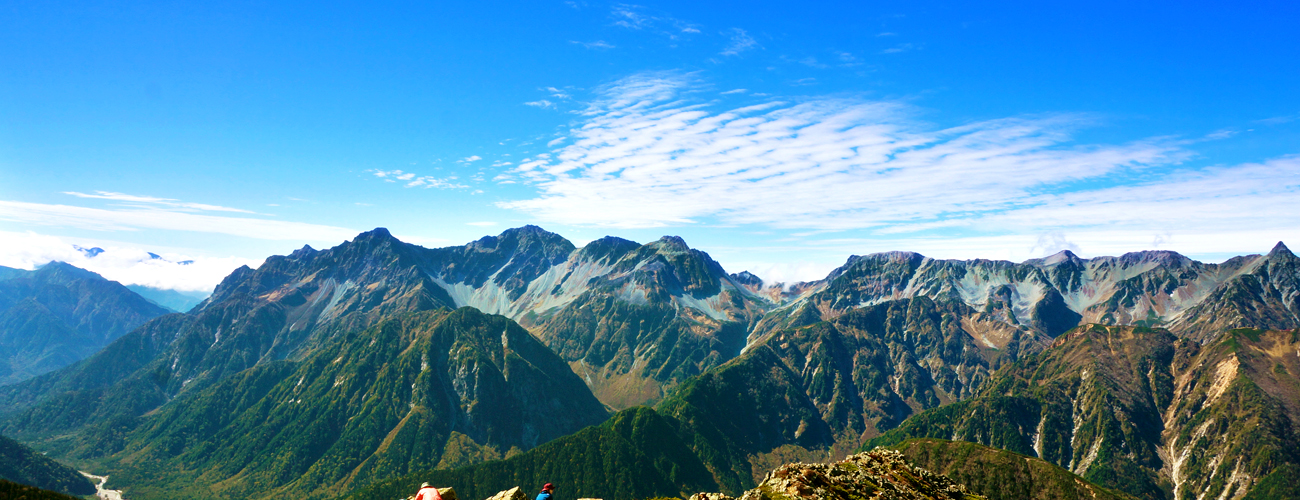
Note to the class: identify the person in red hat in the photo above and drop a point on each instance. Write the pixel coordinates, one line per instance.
(547, 489)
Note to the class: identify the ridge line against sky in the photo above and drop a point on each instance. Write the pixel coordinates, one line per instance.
(779, 142)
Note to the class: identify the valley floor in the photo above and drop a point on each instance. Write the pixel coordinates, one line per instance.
(100, 492)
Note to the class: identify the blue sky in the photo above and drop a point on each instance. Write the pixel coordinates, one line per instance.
(780, 138)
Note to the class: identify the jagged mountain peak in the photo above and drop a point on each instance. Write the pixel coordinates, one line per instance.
(893, 255)
(525, 236)
(364, 245)
(528, 229)
(1061, 257)
(608, 249)
(376, 233)
(305, 251)
(1167, 258)
(1280, 250)
(671, 244)
(746, 278)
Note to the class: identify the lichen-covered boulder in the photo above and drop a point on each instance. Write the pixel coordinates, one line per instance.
(880, 474)
(510, 494)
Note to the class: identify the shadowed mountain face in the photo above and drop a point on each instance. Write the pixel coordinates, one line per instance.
(1051, 295)
(59, 314)
(24, 465)
(1144, 412)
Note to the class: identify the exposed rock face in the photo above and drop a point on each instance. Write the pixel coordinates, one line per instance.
(658, 314)
(1051, 295)
(879, 474)
(1266, 296)
(1142, 411)
(837, 382)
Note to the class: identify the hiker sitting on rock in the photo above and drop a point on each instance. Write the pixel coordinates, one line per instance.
(428, 493)
(546, 492)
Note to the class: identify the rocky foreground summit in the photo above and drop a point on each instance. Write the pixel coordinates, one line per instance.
(882, 474)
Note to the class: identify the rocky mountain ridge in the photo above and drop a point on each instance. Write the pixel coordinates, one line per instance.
(1193, 299)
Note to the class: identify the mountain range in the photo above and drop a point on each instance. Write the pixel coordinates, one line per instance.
(319, 372)
(59, 314)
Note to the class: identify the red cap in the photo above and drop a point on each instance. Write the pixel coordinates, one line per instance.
(548, 486)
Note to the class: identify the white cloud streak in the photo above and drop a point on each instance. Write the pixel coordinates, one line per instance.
(412, 180)
(132, 219)
(151, 200)
(596, 45)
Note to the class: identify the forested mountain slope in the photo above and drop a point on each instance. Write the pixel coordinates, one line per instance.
(1143, 411)
(419, 391)
(59, 314)
(26, 466)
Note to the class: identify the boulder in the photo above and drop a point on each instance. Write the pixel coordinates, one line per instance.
(880, 474)
(510, 494)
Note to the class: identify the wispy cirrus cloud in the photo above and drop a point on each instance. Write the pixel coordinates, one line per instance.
(648, 152)
(137, 218)
(155, 201)
(739, 41)
(902, 47)
(645, 157)
(637, 17)
(596, 45)
(412, 180)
